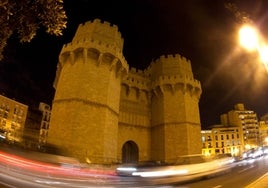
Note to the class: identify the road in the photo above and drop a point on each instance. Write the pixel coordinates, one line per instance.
(240, 176)
(20, 172)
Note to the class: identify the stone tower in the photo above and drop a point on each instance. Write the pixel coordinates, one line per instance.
(84, 117)
(175, 122)
(103, 112)
(159, 112)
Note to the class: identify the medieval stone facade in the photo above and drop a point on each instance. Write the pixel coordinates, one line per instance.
(103, 112)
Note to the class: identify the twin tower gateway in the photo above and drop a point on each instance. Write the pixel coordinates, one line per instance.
(104, 113)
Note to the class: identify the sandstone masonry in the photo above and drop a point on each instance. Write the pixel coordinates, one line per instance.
(103, 112)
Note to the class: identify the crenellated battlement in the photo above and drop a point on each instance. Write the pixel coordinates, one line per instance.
(102, 24)
(174, 79)
(95, 37)
(171, 59)
(87, 41)
(138, 79)
(186, 85)
(167, 70)
(139, 72)
(96, 40)
(170, 65)
(91, 43)
(96, 45)
(98, 30)
(143, 80)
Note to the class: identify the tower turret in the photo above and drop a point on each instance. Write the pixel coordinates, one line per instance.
(175, 111)
(84, 117)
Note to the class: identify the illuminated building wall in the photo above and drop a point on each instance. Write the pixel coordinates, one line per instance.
(247, 121)
(12, 119)
(207, 143)
(263, 129)
(227, 140)
(105, 113)
(222, 139)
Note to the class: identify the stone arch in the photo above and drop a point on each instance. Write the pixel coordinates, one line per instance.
(130, 152)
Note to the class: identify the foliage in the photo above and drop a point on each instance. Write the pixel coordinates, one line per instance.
(25, 17)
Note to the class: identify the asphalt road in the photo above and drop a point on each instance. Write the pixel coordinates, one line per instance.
(20, 173)
(242, 175)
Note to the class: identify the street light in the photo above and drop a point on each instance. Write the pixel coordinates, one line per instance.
(251, 39)
(248, 37)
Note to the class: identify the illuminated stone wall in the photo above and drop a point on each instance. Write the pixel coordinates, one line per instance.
(84, 120)
(159, 110)
(100, 104)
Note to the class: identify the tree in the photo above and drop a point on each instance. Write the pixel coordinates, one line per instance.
(25, 17)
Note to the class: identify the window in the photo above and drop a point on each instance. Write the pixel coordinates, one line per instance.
(16, 110)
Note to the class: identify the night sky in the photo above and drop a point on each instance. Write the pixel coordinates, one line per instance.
(203, 31)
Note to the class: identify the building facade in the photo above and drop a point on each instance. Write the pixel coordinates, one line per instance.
(238, 132)
(263, 128)
(12, 119)
(247, 121)
(46, 113)
(207, 143)
(32, 129)
(104, 112)
(221, 140)
(36, 126)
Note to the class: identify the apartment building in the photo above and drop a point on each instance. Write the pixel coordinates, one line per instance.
(12, 119)
(247, 121)
(238, 132)
(221, 139)
(207, 143)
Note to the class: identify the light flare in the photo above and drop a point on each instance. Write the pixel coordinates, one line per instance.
(248, 37)
(264, 56)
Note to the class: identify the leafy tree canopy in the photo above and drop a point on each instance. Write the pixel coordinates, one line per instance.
(25, 17)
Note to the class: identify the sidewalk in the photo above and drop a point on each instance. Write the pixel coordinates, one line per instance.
(262, 182)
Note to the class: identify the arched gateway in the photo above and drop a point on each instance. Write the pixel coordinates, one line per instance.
(130, 152)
